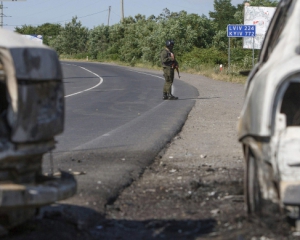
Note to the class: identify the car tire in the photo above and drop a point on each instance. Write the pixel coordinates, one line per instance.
(252, 188)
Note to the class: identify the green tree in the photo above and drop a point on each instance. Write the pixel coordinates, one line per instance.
(220, 40)
(26, 29)
(199, 56)
(47, 30)
(239, 13)
(187, 30)
(72, 39)
(223, 14)
(264, 3)
(98, 42)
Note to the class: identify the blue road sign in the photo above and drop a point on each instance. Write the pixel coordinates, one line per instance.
(241, 31)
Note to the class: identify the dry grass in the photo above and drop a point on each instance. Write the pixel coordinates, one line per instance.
(208, 71)
(223, 76)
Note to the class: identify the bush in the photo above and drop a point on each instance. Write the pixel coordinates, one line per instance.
(200, 56)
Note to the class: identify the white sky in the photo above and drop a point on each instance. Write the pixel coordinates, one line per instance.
(92, 13)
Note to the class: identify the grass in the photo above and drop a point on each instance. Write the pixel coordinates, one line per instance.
(214, 72)
(210, 71)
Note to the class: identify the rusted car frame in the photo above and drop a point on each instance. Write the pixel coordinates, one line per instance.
(31, 115)
(269, 124)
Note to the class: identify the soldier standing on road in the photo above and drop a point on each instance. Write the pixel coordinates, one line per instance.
(169, 64)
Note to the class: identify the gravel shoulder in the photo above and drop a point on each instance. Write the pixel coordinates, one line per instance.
(193, 189)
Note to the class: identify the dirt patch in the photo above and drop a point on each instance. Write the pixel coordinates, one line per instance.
(201, 203)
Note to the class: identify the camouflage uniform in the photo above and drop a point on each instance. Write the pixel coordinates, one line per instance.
(168, 70)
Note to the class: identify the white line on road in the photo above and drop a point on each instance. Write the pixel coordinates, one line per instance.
(146, 74)
(100, 82)
(152, 76)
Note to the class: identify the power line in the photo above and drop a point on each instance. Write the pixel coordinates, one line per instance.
(83, 7)
(45, 10)
(40, 2)
(62, 20)
(84, 16)
(115, 13)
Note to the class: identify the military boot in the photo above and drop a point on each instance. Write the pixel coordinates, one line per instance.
(165, 96)
(171, 97)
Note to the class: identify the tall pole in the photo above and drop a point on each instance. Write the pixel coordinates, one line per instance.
(253, 53)
(229, 55)
(1, 14)
(122, 10)
(108, 15)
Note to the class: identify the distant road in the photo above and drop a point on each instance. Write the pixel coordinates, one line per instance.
(116, 123)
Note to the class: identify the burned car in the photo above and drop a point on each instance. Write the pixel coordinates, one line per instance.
(269, 124)
(31, 115)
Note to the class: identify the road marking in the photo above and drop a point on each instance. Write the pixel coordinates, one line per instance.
(100, 82)
(146, 74)
(152, 76)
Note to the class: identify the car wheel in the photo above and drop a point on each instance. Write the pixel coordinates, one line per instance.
(252, 187)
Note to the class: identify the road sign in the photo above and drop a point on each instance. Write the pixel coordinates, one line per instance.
(241, 31)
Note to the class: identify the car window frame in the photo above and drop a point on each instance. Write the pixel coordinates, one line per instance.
(275, 29)
(282, 9)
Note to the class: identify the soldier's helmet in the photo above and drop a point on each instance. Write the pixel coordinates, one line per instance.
(169, 43)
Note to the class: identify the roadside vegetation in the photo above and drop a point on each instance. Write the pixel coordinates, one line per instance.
(201, 42)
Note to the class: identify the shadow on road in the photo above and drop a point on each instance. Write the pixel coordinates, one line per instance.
(69, 222)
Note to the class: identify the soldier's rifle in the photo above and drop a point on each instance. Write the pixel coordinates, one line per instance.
(175, 66)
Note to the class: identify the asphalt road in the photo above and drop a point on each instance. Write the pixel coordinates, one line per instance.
(115, 125)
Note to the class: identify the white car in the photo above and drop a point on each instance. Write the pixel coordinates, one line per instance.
(269, 124)
(31, 115)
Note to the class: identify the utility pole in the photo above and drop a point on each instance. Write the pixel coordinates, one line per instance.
(122, 10)
(1, 14)
(108, 15)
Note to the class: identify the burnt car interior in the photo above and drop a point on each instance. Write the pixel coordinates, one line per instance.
(3, 103)
(291, 105)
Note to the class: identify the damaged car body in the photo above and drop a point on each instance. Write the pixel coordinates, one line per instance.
(269, 124)
(31, 115)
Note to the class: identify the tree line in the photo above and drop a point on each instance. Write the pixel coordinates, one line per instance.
(198, 39)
